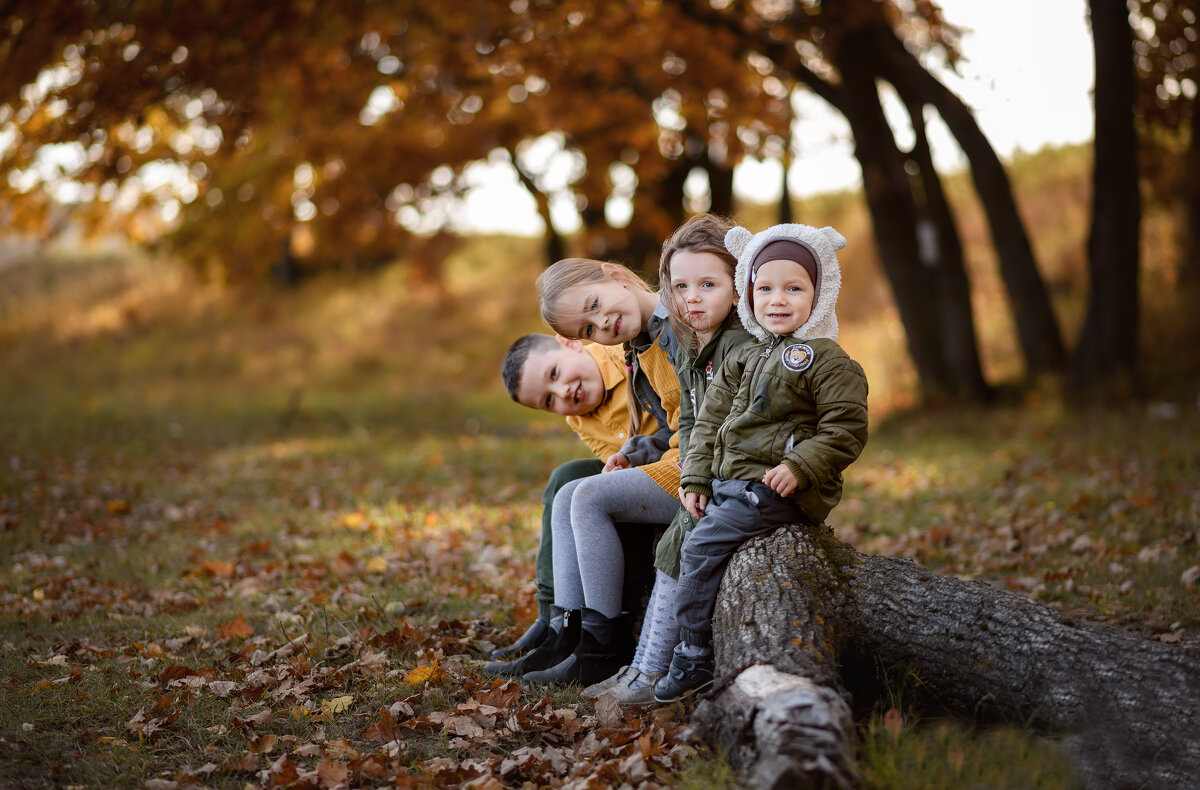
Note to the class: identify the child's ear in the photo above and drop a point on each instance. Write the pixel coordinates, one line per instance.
(572, 345)
(615, 272)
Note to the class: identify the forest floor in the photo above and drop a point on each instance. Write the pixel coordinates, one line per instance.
(247, 546)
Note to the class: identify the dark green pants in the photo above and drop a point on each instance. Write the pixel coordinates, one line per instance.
(637, 543)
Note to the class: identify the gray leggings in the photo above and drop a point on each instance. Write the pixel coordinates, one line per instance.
(589, 567)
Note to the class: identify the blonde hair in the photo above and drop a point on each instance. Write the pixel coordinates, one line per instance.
(701, 233)
(565, 275)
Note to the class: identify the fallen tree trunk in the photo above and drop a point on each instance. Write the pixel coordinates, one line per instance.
(799, 612)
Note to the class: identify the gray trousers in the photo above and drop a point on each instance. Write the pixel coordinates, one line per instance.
(737, 511)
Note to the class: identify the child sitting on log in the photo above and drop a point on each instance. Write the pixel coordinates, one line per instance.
(781, 420)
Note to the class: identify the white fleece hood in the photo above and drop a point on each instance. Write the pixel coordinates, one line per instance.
(823, 243)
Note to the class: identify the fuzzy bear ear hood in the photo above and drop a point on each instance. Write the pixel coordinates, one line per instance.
(823, 243)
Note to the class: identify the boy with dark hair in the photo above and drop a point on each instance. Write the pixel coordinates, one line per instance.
(586, 383)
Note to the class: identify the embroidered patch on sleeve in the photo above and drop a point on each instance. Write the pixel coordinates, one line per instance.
(798, 357)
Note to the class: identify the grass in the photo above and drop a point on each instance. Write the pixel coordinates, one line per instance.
(192, 480)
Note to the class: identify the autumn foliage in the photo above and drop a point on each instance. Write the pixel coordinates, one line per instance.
(254, 132)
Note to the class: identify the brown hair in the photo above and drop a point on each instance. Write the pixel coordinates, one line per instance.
(701, 233)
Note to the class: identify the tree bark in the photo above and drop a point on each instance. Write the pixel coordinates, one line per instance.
(799, 611)
(893, 212)
(942, 251)
(1105, 359)
(1189, 268)
(1037, 329)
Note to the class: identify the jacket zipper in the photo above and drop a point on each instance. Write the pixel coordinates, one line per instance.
(719, 449)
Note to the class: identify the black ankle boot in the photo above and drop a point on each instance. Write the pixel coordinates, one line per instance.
(597, 657)
(532, 638)
(557, 646)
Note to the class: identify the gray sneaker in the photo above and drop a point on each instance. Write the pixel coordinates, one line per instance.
(638, 690)
(596, 689)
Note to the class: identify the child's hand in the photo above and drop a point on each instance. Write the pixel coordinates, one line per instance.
(616, 461)
(781, 480)
(696, 504)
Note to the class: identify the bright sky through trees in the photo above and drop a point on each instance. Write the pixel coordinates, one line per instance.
(1028, 74)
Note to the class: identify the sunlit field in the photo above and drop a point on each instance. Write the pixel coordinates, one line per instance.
(264, 539)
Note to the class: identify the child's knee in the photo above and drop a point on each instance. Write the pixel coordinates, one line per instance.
(571, 470)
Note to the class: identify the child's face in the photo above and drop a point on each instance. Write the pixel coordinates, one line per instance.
(609, 312)
(782, 295)
(563, 381)
(703, 290)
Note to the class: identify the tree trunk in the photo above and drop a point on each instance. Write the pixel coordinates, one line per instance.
(555, 248)
(893, 212)
(1189, 268)
(942, 251)
(1105, 359)
(798, 610)
(786, 212)
(720, 188)
(1037, 329)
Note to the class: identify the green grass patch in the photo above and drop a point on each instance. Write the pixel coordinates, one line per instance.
(234, 532)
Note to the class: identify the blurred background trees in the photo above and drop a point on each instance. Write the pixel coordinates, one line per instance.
(284, 138)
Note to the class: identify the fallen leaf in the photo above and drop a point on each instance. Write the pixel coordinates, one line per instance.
(608, 711)
(425, 673)
(332, 774)
(244, 763)
(221, 687)
(283, 771)
(338, 704)
(340, 749)
(237, 628)
(262, 744)
(634, 768)
(464, 726)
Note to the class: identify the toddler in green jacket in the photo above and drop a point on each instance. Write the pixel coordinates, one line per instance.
(781, 420)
